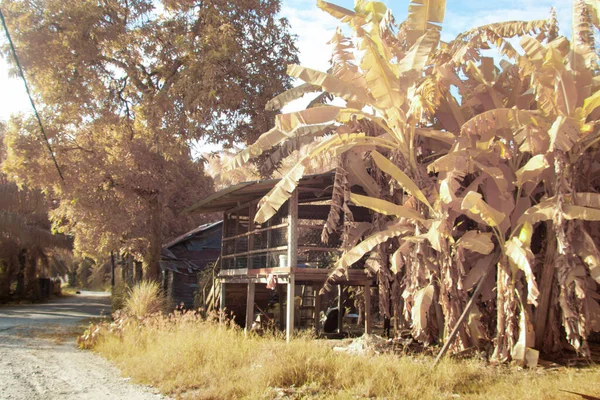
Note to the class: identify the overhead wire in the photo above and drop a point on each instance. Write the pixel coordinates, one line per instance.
(35, 111)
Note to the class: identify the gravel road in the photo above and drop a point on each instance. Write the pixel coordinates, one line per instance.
(39, 359)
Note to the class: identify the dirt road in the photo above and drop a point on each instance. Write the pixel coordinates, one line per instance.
(39, 360)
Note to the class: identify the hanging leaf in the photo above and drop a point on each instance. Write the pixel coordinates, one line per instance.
(340, 184)
(587, 250)
(416, 58)
(407, 184)
(277, 102)
(474, 203)
(313, 116)
(591, 103)
(520, 256)
(478, 270)
(381, 80)
(523, 352)
(587, 199)
(356, 233)
(420, 310)
(281, 192)
(331, 84)
(563, 134)
(442, 136)
(386, 207)
(424, 15)
(358, 174)
(357, 252)
(532, 170)
(479, 242)
(265, 141)
(491, 123)
(342, 14)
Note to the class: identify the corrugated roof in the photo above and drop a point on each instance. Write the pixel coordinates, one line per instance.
(191, 233)
(311, 187)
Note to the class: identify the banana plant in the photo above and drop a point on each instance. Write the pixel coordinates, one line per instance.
(454, 185)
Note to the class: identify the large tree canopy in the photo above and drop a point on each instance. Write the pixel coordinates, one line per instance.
(124, 87)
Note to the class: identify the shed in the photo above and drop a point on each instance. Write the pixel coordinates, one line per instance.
(183, 258)
(282, 260)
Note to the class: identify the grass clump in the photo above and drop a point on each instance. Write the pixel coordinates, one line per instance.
(190, 357)
(144, 299)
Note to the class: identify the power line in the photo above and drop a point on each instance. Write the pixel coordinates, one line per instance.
(14, 54)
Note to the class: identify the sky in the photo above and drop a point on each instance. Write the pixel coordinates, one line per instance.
(315, 27)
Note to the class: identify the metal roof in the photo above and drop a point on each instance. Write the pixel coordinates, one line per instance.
(191, 233)
(310, 188)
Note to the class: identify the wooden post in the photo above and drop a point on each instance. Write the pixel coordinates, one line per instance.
(222, 302)
(292, 231)
(368, 308)
(250, 307)
(281, 310)
(291, 289)
(235, 241)
(251, 214)
(224, 235)
(340, 308)
(292, 257)
(317, 315)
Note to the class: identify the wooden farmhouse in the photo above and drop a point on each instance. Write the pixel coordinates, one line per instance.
(275, 270)
(183, 258)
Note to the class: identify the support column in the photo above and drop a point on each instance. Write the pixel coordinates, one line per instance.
(222, 302)
(292, 256)
(250, 307)
(368, 308)
(281, 309)
(292, 230)
(251, 214)
(340, 308)
(291, 289)
(317, 315)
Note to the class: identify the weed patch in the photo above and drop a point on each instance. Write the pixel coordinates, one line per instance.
(189, 357)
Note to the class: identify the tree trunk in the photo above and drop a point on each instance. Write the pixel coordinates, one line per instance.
(547, 279)
(151, 260)
(20, 292)
(137, 272)
(5, 279)
(112, 270)
(32, 286)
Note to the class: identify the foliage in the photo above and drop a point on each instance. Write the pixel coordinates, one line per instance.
(468, 159)
(124, 88)
(186, 356)
(26, 241)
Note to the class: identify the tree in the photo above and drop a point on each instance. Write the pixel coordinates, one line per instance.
(25, 237)
(125, 86)
(483, 191)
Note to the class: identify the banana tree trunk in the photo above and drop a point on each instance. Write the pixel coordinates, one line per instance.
(547, 280)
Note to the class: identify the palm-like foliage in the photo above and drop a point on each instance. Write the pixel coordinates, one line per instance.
(503, 173)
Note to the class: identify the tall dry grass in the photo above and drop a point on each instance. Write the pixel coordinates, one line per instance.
(144, 299)
(192, 358)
